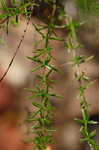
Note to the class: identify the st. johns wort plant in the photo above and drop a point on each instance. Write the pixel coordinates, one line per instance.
(53, 16)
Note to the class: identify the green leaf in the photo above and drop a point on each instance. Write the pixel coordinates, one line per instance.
(79, 121)
(93, 122)
(92, 134)
(37, 104)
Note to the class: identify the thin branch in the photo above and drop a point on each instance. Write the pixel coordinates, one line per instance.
(3, 20)
(15, 53)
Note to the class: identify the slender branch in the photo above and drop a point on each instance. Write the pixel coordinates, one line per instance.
(3, 20)
(16, 51)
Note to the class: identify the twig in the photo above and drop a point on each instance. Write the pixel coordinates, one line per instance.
(3, 20)
(15, 53)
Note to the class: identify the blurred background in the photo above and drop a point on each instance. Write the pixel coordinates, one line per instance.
(14, 104)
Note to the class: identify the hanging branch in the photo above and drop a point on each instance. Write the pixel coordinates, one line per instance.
(42, 119)
(84, 81)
